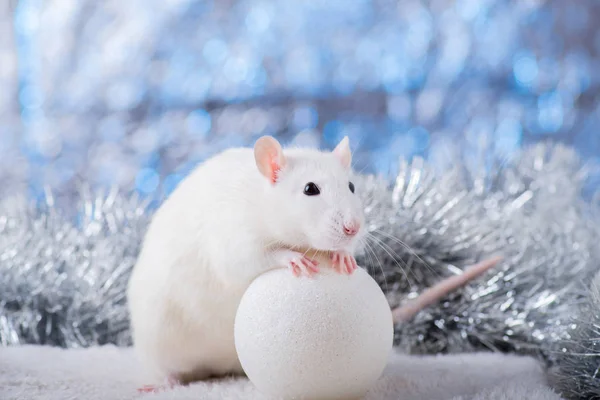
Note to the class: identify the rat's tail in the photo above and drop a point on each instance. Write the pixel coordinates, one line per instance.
(438, 291)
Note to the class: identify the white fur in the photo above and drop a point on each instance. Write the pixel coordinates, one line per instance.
(107, 373)
(223, 226)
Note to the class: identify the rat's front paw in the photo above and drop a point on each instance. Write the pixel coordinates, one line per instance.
(343, 262)
(298, 263)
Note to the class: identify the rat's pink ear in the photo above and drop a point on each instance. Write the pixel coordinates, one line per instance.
(269, 157)
(343, 152)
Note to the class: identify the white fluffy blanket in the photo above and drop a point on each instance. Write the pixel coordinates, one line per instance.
(109, 373)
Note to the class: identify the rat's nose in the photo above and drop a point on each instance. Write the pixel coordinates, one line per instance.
(351, 229)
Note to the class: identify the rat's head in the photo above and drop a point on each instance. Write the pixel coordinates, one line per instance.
(311, 198)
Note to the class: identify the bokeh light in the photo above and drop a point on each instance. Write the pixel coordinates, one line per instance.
(136, 94)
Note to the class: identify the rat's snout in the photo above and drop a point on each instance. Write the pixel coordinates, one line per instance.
(352, 228)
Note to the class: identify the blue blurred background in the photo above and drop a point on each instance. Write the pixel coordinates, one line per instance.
(134, 93)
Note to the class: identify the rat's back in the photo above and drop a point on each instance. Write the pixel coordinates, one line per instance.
(199, 216)
(183, 289)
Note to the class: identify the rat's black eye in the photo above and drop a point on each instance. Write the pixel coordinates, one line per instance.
(351, 186)
(311, 189)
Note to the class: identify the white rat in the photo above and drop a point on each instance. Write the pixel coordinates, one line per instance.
(239, 214)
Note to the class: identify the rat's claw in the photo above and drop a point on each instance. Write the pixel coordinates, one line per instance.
(354, 264)
(343, 262)
(304, 266)
(295, 269)
(298, 263)
(148, 389)
(170, 384)
(310, 265)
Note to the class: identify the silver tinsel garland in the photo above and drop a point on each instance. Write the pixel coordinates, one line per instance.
(64, 274)
(528, 210)
(577, 371)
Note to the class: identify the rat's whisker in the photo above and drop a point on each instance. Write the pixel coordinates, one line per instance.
(315, 252)
(273, 243)
(361, 170)
(408, 248)
(395, 257)
(374, 254)
(392, 253)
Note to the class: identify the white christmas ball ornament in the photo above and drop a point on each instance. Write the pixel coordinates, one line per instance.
(325, 337)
